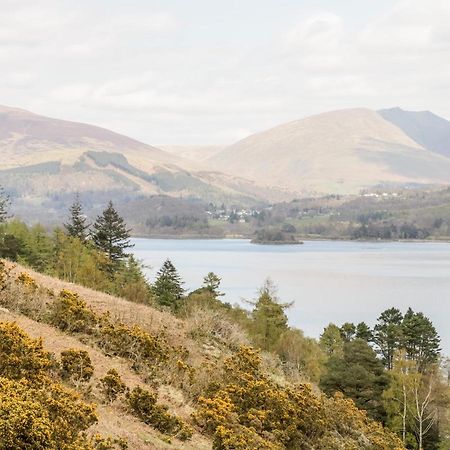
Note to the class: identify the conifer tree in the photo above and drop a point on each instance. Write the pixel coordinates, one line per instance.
(420, 339)
(168, 288)
(77, 226)
(111, 235)
(364, 332)
(358, 374)
(212, 283)
(387, 335)
(269, 317)
(348, 331)
(4, 204)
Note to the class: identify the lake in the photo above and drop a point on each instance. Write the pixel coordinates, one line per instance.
(328, 281)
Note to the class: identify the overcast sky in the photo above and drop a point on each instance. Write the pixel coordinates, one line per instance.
(214, 71)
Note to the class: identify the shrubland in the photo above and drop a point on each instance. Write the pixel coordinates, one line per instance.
(241, 378)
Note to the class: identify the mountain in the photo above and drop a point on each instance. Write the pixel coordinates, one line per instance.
(27, 138)
(426, 128)
(339, 152)
(46, 161)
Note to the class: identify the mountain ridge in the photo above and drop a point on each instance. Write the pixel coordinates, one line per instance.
(340, 151)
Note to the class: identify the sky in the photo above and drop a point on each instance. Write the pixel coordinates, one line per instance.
(212, 72)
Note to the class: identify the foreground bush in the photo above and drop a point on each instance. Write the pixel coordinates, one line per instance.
(22, 357)
(250, 411)
(37, 412)
(45, 417)
(111, 385)
(70, 313)
(76, 365)
(143, 404)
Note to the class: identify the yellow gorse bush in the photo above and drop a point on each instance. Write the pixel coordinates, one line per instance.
(26, 280)
(76, 365)
(112, 386)
(20, 356)
(143, 404)
(250, 411)
(35, 411)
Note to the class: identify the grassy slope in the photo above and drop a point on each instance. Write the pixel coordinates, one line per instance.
(113, 419)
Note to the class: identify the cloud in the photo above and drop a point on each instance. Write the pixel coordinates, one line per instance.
(168, 75)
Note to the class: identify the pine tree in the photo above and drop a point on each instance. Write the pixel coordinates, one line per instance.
(348, 331)
(4, 204)
(268, 317)
(364, 332)
(168, 288)
(111, 235)
(420, 339)
(212, 283)
(358, 374)
(77, 225)
(387, 335)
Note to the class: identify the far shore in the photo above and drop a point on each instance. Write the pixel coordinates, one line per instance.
(300, 241)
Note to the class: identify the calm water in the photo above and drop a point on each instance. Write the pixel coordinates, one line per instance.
(327, 280)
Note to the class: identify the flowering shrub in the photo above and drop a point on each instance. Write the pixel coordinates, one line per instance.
(133, 343)
(35, 412)
(4, 273)
(112, 385)
(76, 365)
(26, 280)
(20, 356)
(250, 411)
(143, 404)
(70, 313)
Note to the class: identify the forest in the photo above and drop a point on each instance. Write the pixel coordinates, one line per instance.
(262, 385)
(379, 214)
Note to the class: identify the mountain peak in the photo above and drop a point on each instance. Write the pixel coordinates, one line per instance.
(340, 151)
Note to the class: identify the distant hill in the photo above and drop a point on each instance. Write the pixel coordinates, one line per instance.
(27, 138)
(46, 161)
(335, 152)
(426, 128)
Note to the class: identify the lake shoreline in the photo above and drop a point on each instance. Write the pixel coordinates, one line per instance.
(301, 239)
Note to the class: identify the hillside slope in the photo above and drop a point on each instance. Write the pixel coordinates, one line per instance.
(426, 128)
(336, 152)
(114, 420)
(46, 161)
(28, 139)
(114, 333)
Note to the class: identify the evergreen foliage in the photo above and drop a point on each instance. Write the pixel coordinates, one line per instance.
(387, 335)
(111, 235)
(364, 332)
(168, 287)
(359, 375)
(269, 318)
(348, 331)
(77, 226)
(211, 282)
(420, 339)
